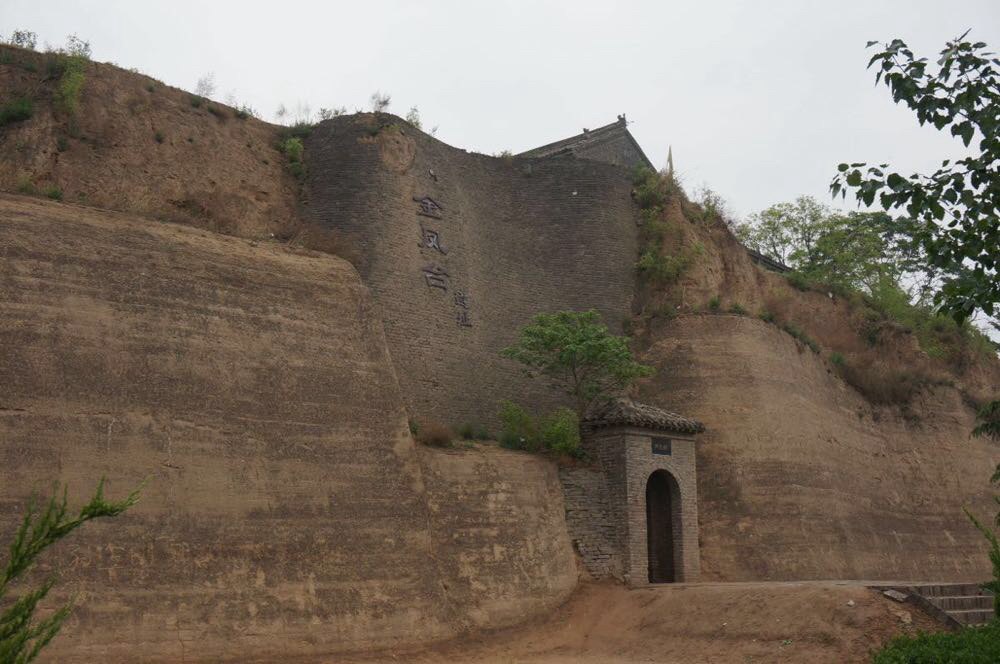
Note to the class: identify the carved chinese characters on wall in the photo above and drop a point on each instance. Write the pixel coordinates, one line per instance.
(432, 241)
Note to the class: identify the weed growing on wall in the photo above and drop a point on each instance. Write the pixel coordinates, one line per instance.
(16, 110)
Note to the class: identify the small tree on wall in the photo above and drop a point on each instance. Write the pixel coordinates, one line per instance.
(577, 352)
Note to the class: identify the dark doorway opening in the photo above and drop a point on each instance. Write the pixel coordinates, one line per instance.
(662, 496)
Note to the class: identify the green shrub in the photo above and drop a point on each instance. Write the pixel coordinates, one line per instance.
(559, 432)
(473, 431)
(661, 269)
(71, 82)
(971, 645)
(54, 192)
(159, 136)
(714, 303)
(836, 359)
(195, 101)
(298, 130)
(766, 316)
(62, 144)
(26, 186)
(799, 334)
(518, 430)
(293, 148)
(17, 110)
(738, 310)
(798, 281)
(649, 188)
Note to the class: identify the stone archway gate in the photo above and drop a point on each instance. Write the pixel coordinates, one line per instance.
(606, 506)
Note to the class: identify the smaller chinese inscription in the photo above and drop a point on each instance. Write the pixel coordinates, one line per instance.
(661, 446)
(428, 207)
(462, 309)
(436, 277)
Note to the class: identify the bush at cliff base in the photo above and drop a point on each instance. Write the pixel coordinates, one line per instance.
(972, 645)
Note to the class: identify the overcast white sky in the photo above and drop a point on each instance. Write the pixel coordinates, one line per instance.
(760, 100)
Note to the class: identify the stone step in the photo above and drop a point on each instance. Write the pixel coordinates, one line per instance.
(972, 616)
(949, 590)
(963, 602)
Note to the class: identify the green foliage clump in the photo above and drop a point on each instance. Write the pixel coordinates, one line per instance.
(22, 636)
(71, 62)
(799, 333)
(195, 101)
(661, 269)
(649, 189)
(576, 350)
(16, 110)
(954, 208)
(26, 186)
(714, 303)
(737, 309)
(766, 316)
(556, 433)
(23, 39)
(293, 149)
(971, 645)
(54, 192)
(836, 359)
(473, 431)
(159, 136)
(518, 430)
(217, 111)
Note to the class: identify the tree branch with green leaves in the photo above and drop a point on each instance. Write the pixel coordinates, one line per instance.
(955, 208)
(22, 636)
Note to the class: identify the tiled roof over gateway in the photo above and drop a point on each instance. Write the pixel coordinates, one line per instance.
(625, 412)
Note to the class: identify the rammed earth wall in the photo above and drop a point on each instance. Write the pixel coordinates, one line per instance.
(514, 237)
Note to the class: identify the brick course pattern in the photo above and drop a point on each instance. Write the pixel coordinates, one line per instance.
(521, 236)
(589, 522)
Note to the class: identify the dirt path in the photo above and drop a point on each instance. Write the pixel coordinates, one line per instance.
(813, 622)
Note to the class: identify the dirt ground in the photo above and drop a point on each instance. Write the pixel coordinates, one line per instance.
(813, 622)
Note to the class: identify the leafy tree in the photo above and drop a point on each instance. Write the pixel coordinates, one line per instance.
(576, 350)
(24, 39)
(955, 208)
(379, 102)
(205, 86)
(413, 117)
(864, 251)
(784, 231)
(22, 637)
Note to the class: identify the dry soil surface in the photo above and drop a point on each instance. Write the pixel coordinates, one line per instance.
(811, 622)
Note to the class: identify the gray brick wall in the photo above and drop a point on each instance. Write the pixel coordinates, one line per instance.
(522, 237)
(589, 521)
